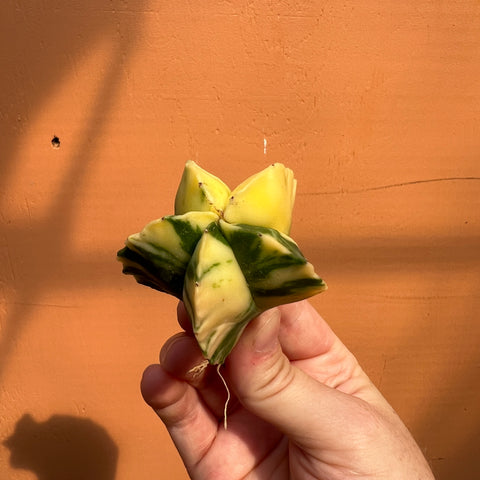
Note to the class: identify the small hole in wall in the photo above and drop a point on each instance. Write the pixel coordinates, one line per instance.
(55, 142)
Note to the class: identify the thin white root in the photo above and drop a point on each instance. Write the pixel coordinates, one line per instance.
(197, 370)
(228, 397)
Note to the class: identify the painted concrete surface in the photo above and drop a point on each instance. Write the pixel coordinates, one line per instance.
(374, 105)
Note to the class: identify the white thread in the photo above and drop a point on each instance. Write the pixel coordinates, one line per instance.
(228, 397)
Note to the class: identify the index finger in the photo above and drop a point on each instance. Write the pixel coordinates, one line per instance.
(183, 318)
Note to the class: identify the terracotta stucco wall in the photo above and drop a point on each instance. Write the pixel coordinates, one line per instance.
(376, 107)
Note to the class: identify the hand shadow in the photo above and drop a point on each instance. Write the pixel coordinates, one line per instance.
(63, 447)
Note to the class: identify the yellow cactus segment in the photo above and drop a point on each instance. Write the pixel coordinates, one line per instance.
(200, 191)
(265, 199)
(216, 296)
(171, 234)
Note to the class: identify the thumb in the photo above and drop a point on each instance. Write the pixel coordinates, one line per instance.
(270, 386)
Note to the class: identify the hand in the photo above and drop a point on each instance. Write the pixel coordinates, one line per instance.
(302, 408)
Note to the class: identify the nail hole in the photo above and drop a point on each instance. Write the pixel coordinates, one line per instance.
(55, 142)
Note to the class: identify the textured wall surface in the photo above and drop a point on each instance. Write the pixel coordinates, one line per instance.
(376, 107)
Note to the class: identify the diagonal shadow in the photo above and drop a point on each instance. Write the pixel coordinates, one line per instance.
(40, 43)
(54, 230)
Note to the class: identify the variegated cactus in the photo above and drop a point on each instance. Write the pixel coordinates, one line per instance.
(226, 254)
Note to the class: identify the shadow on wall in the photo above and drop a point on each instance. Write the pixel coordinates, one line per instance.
(40, 43)
(63, 447)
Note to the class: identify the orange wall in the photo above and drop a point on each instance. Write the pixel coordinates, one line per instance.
(376, 107)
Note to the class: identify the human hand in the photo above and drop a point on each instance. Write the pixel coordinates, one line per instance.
(302, 408)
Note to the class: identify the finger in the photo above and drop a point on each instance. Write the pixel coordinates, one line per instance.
(309, 342)
(183, 318)
(267, 384)
(180, 355)
(182, 358)
(189, 422)
(303, 332)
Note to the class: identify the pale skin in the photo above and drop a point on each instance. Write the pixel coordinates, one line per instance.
(302, 408)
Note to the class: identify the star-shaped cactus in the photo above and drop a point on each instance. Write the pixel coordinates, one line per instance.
(226, 254)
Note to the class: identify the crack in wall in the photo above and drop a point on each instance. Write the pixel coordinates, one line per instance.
(391, 185)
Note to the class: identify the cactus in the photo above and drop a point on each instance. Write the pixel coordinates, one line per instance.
(226, 254)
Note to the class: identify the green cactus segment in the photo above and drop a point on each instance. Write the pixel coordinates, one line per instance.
(274, 267)
(158, 255)
(216, 296)
(189, 228)
(146, 273)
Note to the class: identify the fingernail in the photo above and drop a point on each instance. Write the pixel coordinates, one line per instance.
(266, 337)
